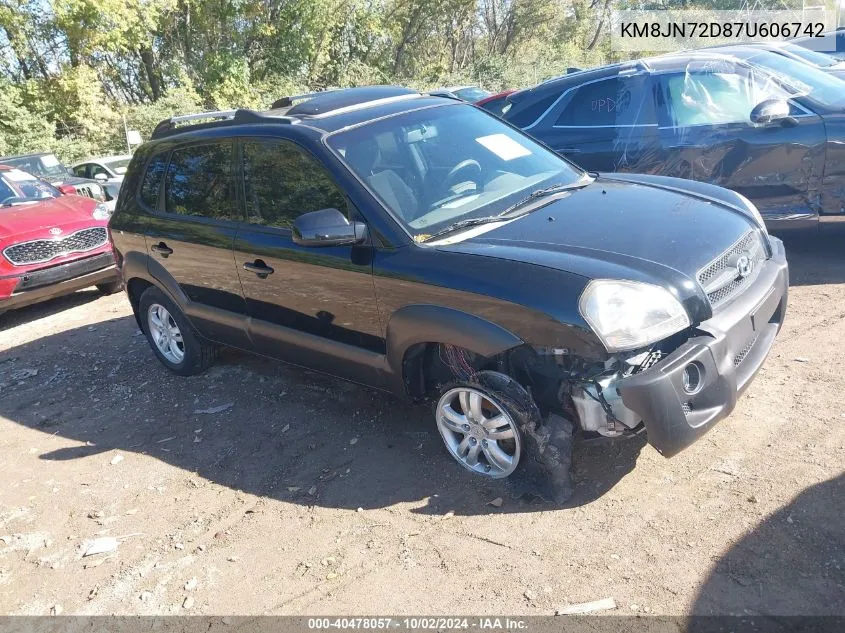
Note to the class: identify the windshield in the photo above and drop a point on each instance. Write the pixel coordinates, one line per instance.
(435, 166)
(15, 183)
(46, 166)
(117, 165)
(815, 58)
(802, 78)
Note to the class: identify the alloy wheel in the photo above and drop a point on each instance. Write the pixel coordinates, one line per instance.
(479, 432)
(165, 333)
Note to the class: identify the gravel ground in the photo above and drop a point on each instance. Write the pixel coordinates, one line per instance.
(257, 488)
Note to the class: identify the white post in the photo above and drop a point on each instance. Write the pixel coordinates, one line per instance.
(126, 135)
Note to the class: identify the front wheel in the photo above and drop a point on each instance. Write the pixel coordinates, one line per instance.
(479, 431)
(492, 427)
(173, 340)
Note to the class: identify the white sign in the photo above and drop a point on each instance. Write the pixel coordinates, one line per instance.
(133, 137)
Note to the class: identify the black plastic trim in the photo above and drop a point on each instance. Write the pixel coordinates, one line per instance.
(675, 419)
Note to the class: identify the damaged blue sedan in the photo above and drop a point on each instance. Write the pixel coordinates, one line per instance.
(767, 126)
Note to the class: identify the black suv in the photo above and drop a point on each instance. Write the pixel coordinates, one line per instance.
(422, 246)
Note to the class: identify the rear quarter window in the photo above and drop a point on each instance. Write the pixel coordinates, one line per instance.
(523, 117)
(608, 103)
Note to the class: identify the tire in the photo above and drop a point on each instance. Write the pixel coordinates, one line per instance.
(197, 354)
(110, 287)
(545, 446)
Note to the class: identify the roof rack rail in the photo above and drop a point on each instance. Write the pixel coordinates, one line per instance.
(286, 102)
(204, 119)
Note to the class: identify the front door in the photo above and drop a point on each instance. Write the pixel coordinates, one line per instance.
(707, 135)
(312, 306)
(190, 235)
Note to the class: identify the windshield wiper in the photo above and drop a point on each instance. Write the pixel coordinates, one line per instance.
(543, 193)
(463, 224)
(17, 200)
(508, 214)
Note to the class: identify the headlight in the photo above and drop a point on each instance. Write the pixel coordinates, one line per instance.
(101, 212)
(754, 211)
(629, 314)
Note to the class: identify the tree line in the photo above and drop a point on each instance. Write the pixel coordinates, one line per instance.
(72, 71)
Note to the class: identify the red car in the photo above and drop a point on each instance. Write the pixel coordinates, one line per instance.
(52, 243)
(496, 103)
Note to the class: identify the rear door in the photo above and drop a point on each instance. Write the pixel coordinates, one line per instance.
(312, 306)
(190, 234)
(607, 124)
(707, 135)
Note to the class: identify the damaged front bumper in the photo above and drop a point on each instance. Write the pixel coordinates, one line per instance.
(698, 384)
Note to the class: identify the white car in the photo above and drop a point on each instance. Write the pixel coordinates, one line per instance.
(104, 169)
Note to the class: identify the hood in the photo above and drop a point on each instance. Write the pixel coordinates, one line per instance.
(35, 220)
(623, 229)
(74, 180)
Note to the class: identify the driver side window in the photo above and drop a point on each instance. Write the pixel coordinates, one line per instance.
(717, 98)
(282, 181)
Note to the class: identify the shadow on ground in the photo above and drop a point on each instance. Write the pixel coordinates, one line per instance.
(13, 318)
(288, 434)
(794, 559)
(815, 259)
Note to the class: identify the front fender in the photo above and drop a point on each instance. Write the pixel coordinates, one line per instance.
(423, 323)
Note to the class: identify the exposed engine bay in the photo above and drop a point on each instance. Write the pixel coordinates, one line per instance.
(586, 392)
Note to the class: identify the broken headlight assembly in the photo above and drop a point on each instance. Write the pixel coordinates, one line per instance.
(628, 315)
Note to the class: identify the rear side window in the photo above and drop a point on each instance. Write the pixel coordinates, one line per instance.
(610, 102)
(152, 180)
(199, 182)
(530, 114)
(281, 182)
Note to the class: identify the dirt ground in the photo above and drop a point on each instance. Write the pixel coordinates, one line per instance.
(258, 488)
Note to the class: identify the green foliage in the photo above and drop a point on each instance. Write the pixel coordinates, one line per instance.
(73, 70)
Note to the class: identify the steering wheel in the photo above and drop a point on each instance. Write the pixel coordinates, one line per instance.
(468, 165)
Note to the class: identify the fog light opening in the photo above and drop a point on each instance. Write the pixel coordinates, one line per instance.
(692, 378)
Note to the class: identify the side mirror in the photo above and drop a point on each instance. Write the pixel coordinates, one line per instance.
(771, 111)
(101, 177)
(66, 189)
(327, 227)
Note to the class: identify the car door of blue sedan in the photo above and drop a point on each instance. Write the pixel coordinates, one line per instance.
(706, 134)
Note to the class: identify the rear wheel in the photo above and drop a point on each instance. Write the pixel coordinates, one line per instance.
(171, 337)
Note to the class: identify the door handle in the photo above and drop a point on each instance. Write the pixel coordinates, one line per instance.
(162, 249)
(259, 268)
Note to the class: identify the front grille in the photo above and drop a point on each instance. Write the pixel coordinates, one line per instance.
(85, 190)
(39, 251)
(744, 351)
(735, 269)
